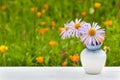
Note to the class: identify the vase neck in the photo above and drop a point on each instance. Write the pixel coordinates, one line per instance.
(94, 49)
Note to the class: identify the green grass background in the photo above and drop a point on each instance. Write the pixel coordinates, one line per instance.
(18, 24)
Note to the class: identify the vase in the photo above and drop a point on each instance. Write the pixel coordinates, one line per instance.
(93, 59)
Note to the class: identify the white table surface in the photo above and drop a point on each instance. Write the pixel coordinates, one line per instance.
(56, 73)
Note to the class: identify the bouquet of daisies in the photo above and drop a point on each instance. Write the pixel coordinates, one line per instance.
(90, 34)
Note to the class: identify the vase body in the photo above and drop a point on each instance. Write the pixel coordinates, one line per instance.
(93, 60)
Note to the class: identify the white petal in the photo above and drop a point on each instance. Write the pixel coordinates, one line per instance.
(102, 37)
(87, 40)
(71, 23)
(84, 37)
(79, 20)
(76, 21)
(90, 40)
(97, 27)
(93, 40)
(97, 40)
(99, 31)
(94, 25)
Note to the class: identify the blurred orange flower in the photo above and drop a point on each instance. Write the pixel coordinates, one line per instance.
(65, 63)
(108, 23)
(83, 13)
(42, 23)
(34, 9)
(39, 14)
(97, 5)
(60, 29)
(52, 43)
(41, 31)
(3, 7)
(52, 24)
(40, 59)
(75, 58)
(46, 6)
(3, 48)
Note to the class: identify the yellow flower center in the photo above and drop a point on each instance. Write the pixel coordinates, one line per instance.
(77, 25)
(92, 32)
(66, 28)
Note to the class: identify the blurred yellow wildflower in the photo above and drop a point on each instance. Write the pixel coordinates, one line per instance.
(52, 43)
(106, 48)
(40, 59)
(97, 5)
(75, 58)
(3, 48)
(33, 9)
(83, 13)
(43, 11)
(39, 14)
(108, 23)
(3, 7)
(65, 63)
(46, 6)
(42, 23)
(36, 30)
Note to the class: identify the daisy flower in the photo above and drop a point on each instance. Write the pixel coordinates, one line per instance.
(66, 31)
(76, 27)
(92, 35)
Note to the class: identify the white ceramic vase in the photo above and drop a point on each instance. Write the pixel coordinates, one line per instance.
(93, 59)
